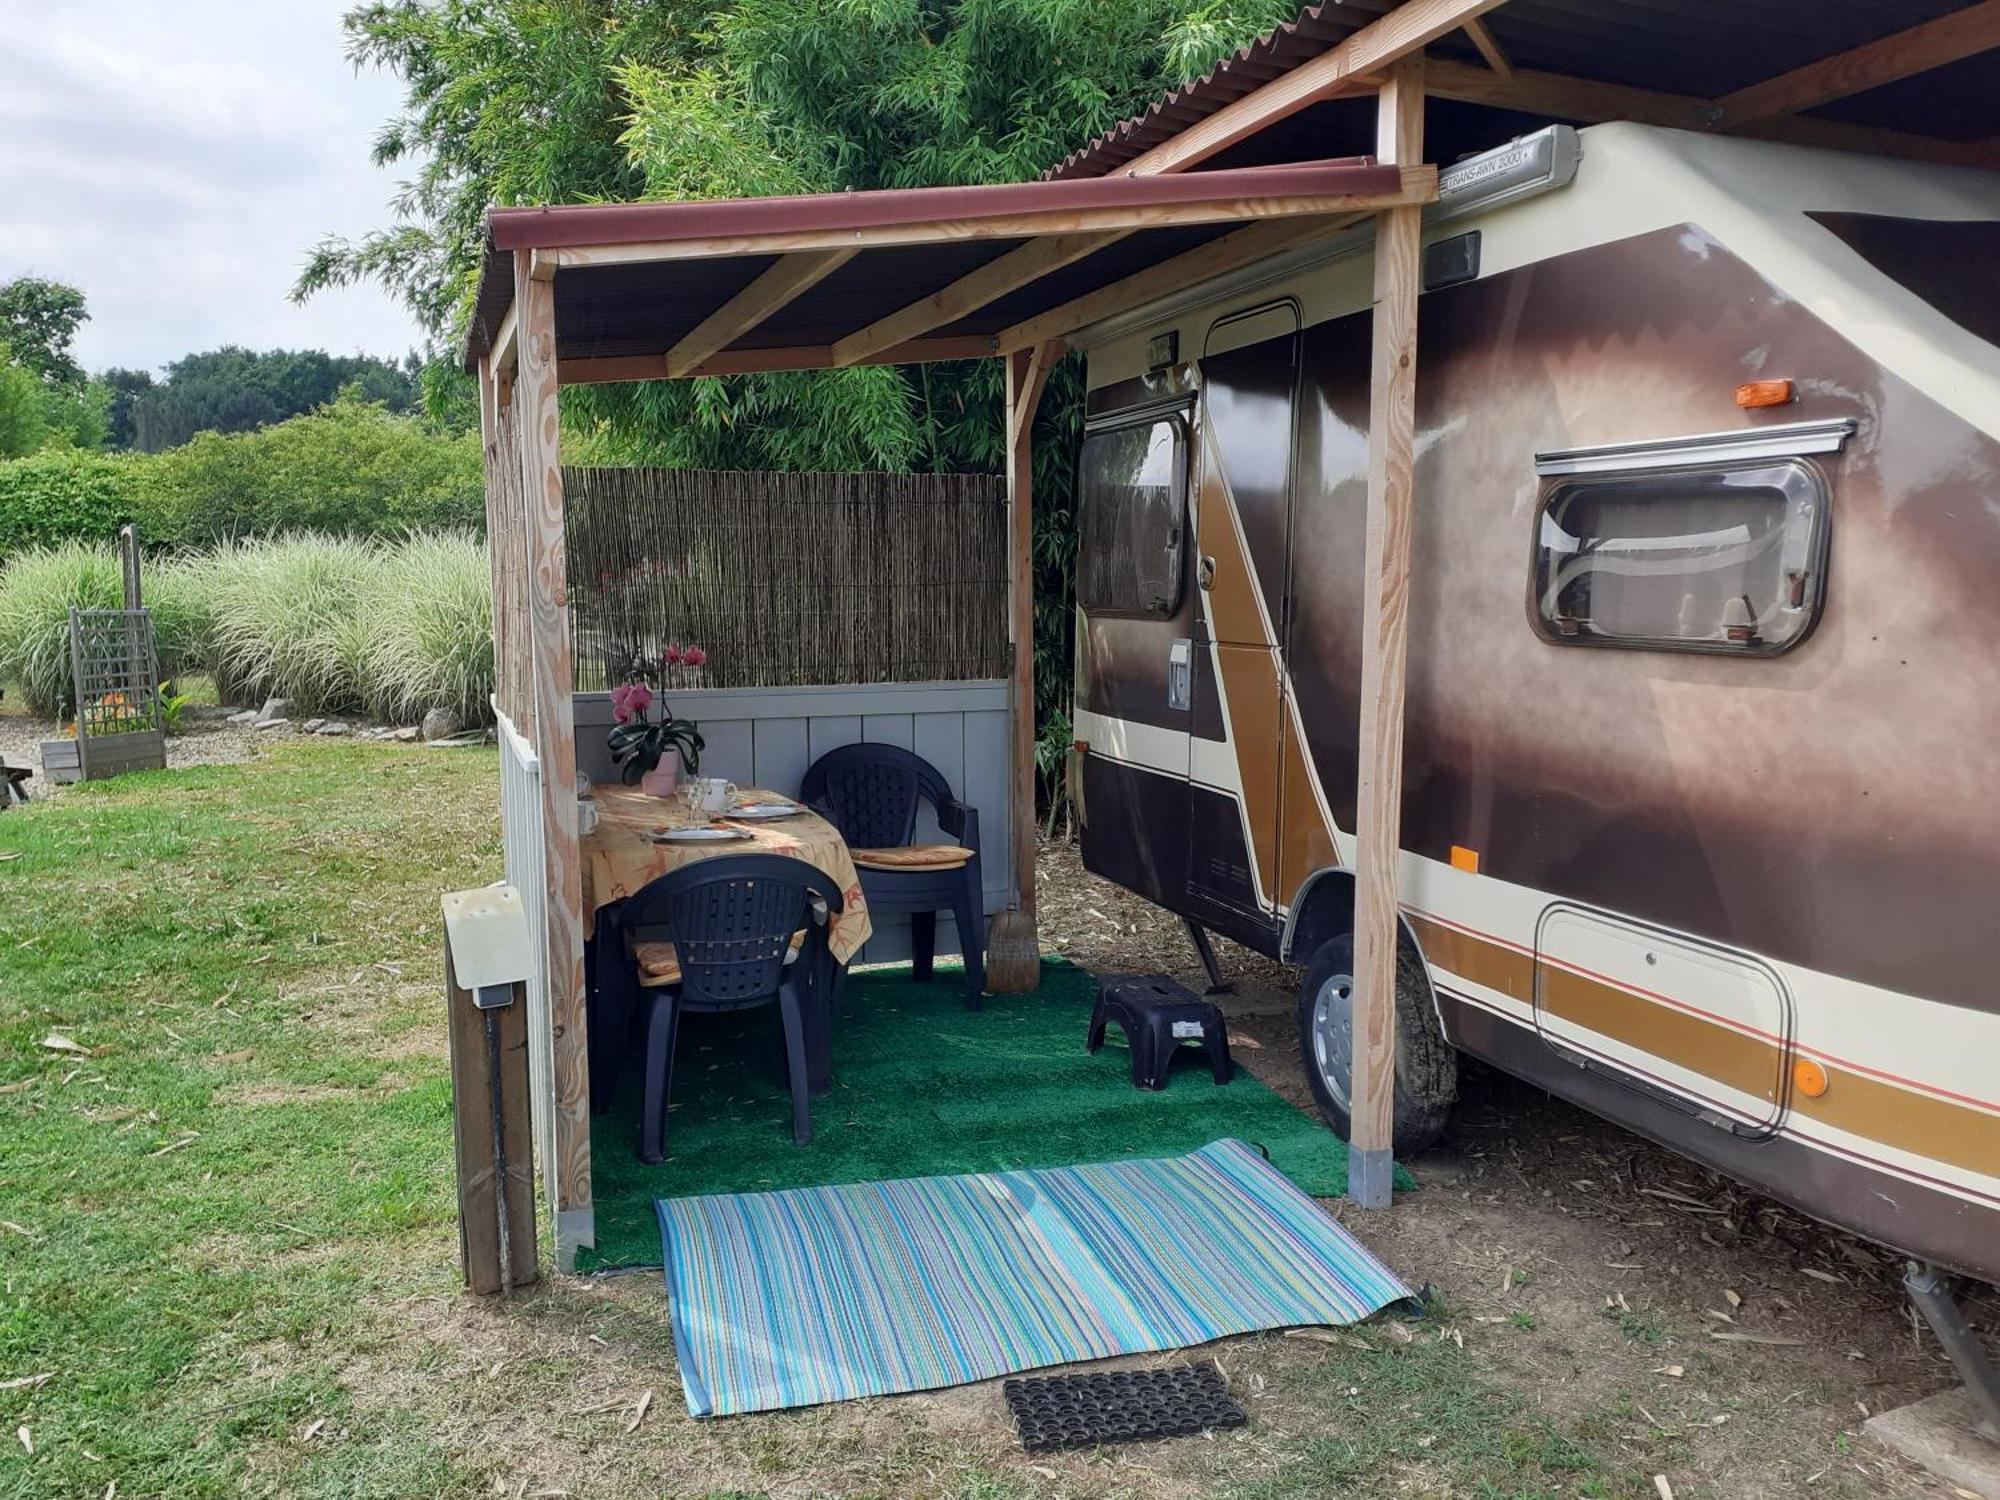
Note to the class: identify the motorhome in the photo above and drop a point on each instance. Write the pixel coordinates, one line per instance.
(1702, 736)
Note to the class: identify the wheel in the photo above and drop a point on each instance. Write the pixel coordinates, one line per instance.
(1426, 1064)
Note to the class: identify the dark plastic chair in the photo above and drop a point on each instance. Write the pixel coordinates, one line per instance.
(732, 921)
(872, 793)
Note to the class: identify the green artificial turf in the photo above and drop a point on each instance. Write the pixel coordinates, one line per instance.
(924, 1086)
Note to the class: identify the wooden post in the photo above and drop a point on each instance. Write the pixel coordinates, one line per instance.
(1013, 958)
(128, 562)
(567, 1174)
(472, 1136)
(1384, 637)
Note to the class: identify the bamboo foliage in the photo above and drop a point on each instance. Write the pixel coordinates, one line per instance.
(786, 579)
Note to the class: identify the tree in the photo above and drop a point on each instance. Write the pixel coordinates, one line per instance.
(38, 323)
(22, 424)
(121, 424)
(233, 389)
(534, 101)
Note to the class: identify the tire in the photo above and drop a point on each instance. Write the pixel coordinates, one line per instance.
(1426, 1064)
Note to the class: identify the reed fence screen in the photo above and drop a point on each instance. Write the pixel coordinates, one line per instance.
(786, 580)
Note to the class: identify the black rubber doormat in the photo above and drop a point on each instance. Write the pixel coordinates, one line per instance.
(1121, 1406)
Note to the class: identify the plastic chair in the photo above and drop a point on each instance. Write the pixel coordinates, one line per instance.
(871, 793)
(732, 921)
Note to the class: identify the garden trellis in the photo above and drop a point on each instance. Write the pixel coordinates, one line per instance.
(786, 579)
(117, 683)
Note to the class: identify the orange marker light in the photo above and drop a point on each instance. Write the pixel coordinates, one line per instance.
(1465, 859)
(1764, 393)
(1809, 1078)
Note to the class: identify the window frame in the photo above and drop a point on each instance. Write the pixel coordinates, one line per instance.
(1178, 414)
(1558, 480)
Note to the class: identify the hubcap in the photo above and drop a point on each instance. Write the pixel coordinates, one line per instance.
(1333, 1034)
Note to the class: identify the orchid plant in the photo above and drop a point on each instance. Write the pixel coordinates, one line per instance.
(639, 740)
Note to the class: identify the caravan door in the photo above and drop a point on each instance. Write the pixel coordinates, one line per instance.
(1242, 530)
(1135, 642)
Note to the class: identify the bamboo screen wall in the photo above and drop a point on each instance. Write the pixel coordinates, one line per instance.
(786, 579)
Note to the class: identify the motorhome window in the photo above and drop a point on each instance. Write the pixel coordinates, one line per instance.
(1938, 259)
(1714, 559)
(1132, 494)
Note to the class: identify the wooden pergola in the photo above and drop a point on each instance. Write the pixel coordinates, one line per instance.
(1172, 198)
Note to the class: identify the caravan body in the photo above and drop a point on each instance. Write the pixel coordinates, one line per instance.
(1702, 742)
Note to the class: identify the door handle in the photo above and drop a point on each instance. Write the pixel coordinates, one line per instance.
(1205, 572)
(1180, 674)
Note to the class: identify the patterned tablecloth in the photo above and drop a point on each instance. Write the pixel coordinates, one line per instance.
(618, 858)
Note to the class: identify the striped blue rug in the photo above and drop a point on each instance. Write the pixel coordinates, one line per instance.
(827, 1293)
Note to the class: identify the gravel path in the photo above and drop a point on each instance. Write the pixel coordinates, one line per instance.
(204, 740)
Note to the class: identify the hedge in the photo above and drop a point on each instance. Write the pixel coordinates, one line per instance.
(349, 468)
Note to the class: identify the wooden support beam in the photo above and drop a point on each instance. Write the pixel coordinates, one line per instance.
(1392, 406)
(1481, 38)
(1220, 255)
(1566, 98)
(1409, 28)
(1016, 268)
(1947, 39)
(536, 417)
(503, 352)
(1014, 950)
(1108, 218)
(758, 361)
(780, 283)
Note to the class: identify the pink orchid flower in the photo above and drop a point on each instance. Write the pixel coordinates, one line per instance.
(671, 656)
(694, 656)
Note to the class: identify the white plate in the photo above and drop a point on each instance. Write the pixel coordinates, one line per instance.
(762, 810)
(697, 834)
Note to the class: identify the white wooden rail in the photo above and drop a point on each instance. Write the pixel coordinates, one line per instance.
(521, 832)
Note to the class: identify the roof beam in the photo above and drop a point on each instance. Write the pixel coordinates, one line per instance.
(992, 281)
(1409, 28)
(502, 354)
(777, 285)
(1482, 39)
(1119, 218)
(611, 367)
(1586, 99)
(1900, 55)
(1189, 268)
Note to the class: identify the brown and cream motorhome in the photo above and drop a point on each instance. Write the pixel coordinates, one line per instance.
(1702, 736)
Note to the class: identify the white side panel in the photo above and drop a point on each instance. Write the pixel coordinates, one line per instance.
(521, 838)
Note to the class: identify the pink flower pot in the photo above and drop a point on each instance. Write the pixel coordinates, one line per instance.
(663, 778)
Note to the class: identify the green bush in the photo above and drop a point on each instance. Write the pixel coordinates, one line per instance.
(427, 633)
(67, 494)
(347, 469)
(37, 588)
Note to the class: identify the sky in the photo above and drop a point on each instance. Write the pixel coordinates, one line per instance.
(177, 159)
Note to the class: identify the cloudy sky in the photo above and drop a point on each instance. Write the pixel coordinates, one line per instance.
(177, 159)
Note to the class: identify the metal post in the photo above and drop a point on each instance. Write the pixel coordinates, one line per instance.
(1931, 1290)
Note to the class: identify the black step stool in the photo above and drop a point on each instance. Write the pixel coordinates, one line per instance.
(1156, 1016)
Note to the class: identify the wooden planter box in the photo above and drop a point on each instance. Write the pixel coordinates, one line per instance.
(62, 760)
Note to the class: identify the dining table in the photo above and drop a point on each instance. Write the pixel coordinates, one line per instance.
(622, 855)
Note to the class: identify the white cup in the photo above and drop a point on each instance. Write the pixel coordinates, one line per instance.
(714, 794)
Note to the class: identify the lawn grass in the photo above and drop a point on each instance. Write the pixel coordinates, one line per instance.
(256, 1144)
(227, 1238)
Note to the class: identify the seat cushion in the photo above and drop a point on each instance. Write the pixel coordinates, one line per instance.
(658, 964)
(912, 857)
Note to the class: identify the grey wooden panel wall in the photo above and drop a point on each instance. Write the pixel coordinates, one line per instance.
(768, 736)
